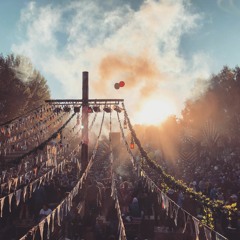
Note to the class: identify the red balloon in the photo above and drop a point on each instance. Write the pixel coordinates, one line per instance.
(121, 84)
(116, 85)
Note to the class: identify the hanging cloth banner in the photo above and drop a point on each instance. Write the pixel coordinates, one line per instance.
(20, 180)
(24, 193)
(196, 224)
(62, 206)
(79, 165)
(40, 180)
(23, 238)
(52, 173)
(33, 232)
(48, 226)
(186, 220)
(1, 205)
(175, 212)
(10, 201)
(208, 233)
(18, 196)
(70, 199)
(15, 182)
(9, 185)
(165, 202)
(53, 218)
(58, 215)
(34, 185)
(81, 208)
(120, 235)
(170, 208)
(41, 228)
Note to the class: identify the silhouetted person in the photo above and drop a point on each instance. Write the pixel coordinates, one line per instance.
(134, 209)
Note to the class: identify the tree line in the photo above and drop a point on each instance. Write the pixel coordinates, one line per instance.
(22, 87)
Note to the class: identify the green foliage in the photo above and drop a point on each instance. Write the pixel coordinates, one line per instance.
(21, 87)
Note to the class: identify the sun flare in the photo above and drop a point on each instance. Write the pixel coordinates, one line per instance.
(155, 111)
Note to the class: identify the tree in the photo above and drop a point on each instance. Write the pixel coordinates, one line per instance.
(22, 88)
(215, 114)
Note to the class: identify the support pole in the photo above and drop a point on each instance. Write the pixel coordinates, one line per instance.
(85, 140)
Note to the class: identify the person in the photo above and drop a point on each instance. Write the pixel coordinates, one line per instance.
(101, 196)
(92, 197)
(180, 198)
(45, 211)
(125, 197)
(134, 209)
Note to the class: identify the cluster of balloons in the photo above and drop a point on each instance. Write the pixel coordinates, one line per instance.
(120, 84)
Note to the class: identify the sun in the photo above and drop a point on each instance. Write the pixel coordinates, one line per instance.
(155, 111)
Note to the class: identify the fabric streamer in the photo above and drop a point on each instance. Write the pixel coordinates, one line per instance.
(208, 233)
(10, 201)
(9, 185)
(41, 228)
(1, 205)
(48, 225)
(196, 224)
(18, 196)
(24, 193)
(58, 215)
(175, 210)
(53, 218)
(186, 219)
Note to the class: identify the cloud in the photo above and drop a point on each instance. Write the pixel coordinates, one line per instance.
(229, 6)
(113, 42)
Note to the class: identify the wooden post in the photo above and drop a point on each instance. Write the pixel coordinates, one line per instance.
(85, 140)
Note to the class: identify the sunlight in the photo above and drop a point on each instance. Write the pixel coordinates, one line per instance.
(155, 111)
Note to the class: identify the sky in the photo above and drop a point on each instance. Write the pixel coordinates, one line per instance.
(159, 48)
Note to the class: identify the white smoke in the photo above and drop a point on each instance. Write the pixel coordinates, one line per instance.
(113, 43)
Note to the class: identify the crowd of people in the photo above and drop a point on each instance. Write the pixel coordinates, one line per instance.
(215, 175)
(39, 204)
(93, 214)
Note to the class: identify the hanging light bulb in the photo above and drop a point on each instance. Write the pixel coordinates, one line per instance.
(107, 109)
(76, 109)
(132, 144)
(96, 109)
(117, 108)
(90, 110)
